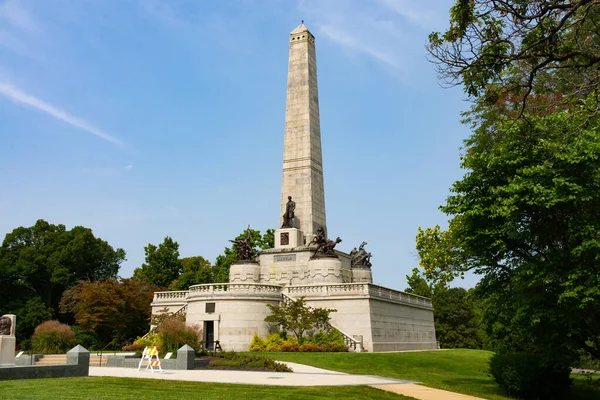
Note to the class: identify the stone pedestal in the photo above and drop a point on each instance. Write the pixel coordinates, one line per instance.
(7, 350)
(288, 238)
(324, 270)
(362, 275)
(244, 272)
(8, 340)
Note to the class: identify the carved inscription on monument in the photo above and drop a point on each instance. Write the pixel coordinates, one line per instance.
(285, 238)
(284, 258)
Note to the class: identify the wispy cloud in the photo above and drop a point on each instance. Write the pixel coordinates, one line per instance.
(20, 97)
(393, 32)
(18, 17)
(107, 172)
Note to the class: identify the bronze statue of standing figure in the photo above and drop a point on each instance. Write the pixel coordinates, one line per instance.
(288, 217)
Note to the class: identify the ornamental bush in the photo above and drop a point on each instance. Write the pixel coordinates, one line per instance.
(257, 343)
(531, 376)
(321, 341)
(52, 337)
(174, 333)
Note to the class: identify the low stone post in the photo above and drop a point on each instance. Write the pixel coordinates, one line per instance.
(79, 356)
(185, 357)
(7, 340)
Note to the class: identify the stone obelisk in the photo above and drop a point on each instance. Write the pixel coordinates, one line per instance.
(302, 159)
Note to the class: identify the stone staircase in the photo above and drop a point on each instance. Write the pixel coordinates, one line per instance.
(97, 361)
(61, 359)
(52, 359)
(353, 344)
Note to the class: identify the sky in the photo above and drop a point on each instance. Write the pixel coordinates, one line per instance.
(142, 119)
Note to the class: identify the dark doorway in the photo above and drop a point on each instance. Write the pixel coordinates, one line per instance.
(209, 335)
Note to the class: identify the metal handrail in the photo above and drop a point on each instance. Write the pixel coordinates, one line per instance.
(181, 311)
(99, 352)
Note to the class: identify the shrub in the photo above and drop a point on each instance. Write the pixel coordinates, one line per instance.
(290, 347)
(233, 359)
(151, 340)
(133, 347)
(324, 339)
(331, 341)
(89, 340)
(274, 342)
(530, 376)
(52, 337)
(257, 343)
(174, 333)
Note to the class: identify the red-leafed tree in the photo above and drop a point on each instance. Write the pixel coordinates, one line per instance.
(116, 311)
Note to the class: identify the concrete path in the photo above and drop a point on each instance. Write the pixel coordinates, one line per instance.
(424, 393)
(303, 375)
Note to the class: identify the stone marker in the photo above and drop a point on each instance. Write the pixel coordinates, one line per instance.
(7, 340)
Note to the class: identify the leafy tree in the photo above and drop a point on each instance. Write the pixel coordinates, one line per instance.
(521, 47)
(296, 316)
(162, 264)
(457, 321)
(38, 263)
(526, 217)
(115, 311)
(224, 261)
(196, 270)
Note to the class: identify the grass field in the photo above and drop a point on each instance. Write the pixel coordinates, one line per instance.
(97, 388)
(461, 371)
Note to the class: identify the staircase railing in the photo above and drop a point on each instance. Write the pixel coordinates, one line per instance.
(181, 311)
(354, 344)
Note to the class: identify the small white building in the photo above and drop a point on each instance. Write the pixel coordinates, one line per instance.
(371, 317)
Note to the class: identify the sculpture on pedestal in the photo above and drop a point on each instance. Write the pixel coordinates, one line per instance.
(5, 326)
(324, 245)
(288, 217)
(244, 248)
(360, 258)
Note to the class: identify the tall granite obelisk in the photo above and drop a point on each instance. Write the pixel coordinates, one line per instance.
(302, 159)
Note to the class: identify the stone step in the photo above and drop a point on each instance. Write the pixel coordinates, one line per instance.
(52, 359)
(58, 359)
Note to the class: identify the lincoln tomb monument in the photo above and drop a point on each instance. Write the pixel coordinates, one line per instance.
(305, 261)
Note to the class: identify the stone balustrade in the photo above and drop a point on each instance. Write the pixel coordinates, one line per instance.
(359, 289)
(160, 297)
(234, 289)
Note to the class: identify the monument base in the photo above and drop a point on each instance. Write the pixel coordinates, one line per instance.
(362, 275)
(289, 238)
(325, 270)
(244, 272)
(7, 350)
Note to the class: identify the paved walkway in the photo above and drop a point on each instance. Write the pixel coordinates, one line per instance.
(303, 375)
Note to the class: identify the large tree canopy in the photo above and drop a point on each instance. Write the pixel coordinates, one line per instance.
(162, 264)
(455, 312)
(196, 270)
(38, 263)
(517, 48)
(525, 215)
(115, 311)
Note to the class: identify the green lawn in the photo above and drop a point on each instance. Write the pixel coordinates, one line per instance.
(97, 388)
(461, 371)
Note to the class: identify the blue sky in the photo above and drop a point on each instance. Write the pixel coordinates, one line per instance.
(147, 118)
